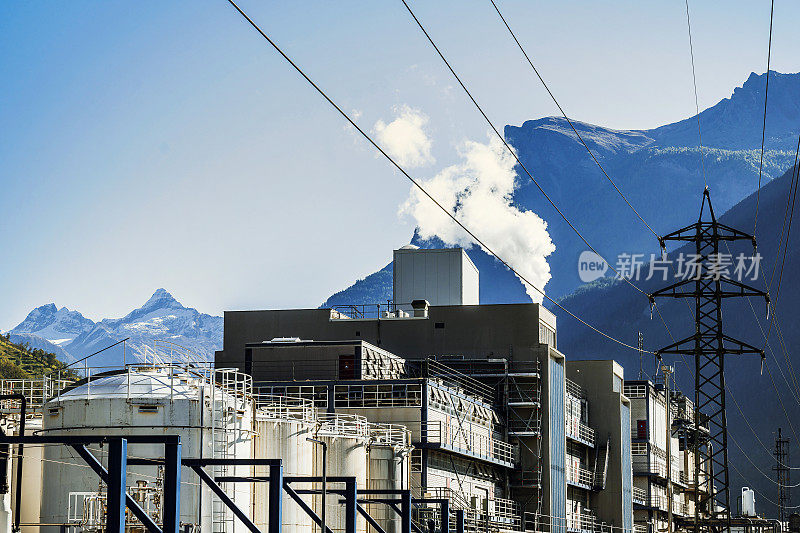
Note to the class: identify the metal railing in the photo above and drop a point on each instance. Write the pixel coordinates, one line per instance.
(389, 309)
(526, 478)
(274, 407)
(577, 430)
(37, 391)
(342, 425)
(524, 426)
(639, 495)
(459, 439)
(482, 514)
(449, 376)
(393, 435)
(574, 389)
(579, 475)
(581, 522)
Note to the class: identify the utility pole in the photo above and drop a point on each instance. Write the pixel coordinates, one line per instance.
(708, 286)
(668, 370)
(782, 469)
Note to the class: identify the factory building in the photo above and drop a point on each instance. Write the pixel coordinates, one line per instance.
(219, 419)
(649, 449)
(500, 420)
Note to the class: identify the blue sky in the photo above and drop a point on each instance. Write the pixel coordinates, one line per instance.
(166, 145)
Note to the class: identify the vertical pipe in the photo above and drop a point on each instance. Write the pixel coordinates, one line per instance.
(459, 520)
(351, 497)
(172, 487)
(405, 508)
(445, 516)
(117, 466)
(668, 417)
(275, 493)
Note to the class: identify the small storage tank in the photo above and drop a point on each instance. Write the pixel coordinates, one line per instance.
(211, 409)
(389, 451)
(282, 428)
(748, 502)
(347, 437)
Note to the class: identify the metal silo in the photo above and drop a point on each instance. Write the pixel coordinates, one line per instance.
(347, 438)
(282, 428)
(211, 409)
(389, 449)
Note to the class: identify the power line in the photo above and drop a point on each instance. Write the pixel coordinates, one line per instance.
(564, 114)
(764, 126)
(417, 184)
(770, 303)
(696, 103)
(511, 150)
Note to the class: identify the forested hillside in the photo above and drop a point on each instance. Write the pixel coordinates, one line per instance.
(18, 361)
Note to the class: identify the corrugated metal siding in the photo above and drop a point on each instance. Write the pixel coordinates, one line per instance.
(558, 480)
(627, 472)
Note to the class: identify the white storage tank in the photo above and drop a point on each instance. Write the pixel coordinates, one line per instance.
(347, 438)
(389, 452)
(282, 428)
(211, 410)
(748, 502)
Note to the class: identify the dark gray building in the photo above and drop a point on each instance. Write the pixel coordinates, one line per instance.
(511, 350)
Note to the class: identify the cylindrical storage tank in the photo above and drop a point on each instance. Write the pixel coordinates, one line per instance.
(211, 410)
(389, 452)
(347, 439)
(31, 475)
(748, 502)
(282, 428)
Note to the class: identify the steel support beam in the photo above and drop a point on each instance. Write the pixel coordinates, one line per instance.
(350, 512)
(117, 487)
(371, 521)
(172, 484)
(208, 480)
(405, 512)
(275, 500)
(459, 520)
(304, 506)
(100, 470)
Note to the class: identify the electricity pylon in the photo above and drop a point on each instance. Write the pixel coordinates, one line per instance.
(709, 345)
(782, 471)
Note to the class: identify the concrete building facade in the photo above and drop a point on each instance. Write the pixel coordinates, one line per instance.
(649, 434)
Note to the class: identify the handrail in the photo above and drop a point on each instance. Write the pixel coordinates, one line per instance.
(274, 407)
(459, 439)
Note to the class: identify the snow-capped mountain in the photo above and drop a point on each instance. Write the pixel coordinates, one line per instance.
(71, 336)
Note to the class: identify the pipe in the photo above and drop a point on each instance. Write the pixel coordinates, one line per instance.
(23, 404)
(324, 477)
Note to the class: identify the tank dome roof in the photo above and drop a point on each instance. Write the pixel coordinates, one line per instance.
(136, 384)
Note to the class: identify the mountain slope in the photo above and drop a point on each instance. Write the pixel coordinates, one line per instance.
(18, 361)
(648, 166)
(619, 310)
(72, 336)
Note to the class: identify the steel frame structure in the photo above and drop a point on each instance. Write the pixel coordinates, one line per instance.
(709, 345)
(782, 471)
(115, 476)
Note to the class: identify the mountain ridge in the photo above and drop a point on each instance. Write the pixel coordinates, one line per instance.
(71, 336)
(646, 165)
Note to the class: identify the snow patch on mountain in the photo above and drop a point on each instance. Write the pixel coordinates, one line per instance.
(71, 336)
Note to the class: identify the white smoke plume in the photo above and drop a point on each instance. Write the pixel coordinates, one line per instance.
(479, 192)
(405, 138)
